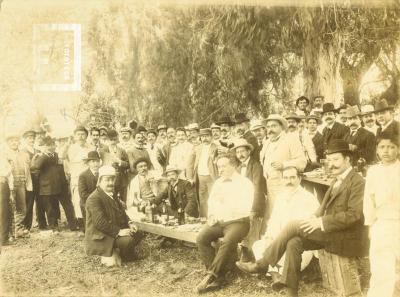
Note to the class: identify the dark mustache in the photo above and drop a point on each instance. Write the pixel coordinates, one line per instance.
(333, 167)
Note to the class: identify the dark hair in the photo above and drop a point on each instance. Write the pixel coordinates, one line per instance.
(141, 160)
(290, 168)
(230, 156)
(112, 133)
(388, 136)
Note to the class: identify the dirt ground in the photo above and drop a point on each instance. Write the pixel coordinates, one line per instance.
(56, 265)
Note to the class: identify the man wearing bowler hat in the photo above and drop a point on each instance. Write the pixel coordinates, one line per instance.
(333, 129)
(225, 141)
(385, 118)
(361, 141)
(202, 168)
(368, 118)
(242, 126)
(337, 226)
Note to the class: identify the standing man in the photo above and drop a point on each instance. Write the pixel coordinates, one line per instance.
(194, 136)
(103, 134)
(312, 128)
(280, 150)
(369, 119)
(302, 105)
(385, 118)
(216, 133)
(229, 208)
(5, 203)
(258, 129)
(337, 226)
(253, 170)
(95, 139)
(107, 225)
(202, 168)
(125, 140)
(226, 134)
(181, 153)
(171, 142)
(318, 101)
(162, 135)
(362, 142)
(242, 127)
(155, 152)
(136, 152)
(333, 130)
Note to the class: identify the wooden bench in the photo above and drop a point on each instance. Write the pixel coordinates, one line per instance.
(343, 276)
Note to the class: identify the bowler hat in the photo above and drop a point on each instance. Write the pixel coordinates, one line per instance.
(112, 133)
(328, 107)
(241, 118)
(225, 120)
(205, 131)
(93, 155)
(278, 118)
(140, 160)
(242, 142)
(382, 105)
(82, 129)
(302, 98)
(294, 116)
(337, 146)
(47, 140)
(172, 168)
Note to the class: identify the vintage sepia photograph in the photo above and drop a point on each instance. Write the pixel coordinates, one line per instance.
(200, 148)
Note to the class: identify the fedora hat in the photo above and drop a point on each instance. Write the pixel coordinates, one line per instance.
(352, 111)
(294, 116)
(225, 120)
(257, 124)
(242, 142)
(93, 155)
(241, 118)
(337, 146)
(367, 109)
(140, 160)
(48, 141)
(205, 131)
(382, 105)
(328, 107)
(112, 133)
(302, 98)
(278, 118)
(141, 129)
(171, 168)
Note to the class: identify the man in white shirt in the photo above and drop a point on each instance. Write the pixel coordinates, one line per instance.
(229, 207)
(368, 118)
(125, 140)
(181, 152)
(155, 152)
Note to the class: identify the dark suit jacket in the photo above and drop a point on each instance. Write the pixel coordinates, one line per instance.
(254, 172)
(194, 161)
(122, 178)
(318, 141)
(104, 218)
(365, 142)
(338, 131)
(51, 175)
(392, 129)
(185, 198)
(343, 220)
(87, 183)
(250, 138)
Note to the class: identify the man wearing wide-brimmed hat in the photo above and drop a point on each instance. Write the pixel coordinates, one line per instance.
(179, 195)
(242, 126)
(202, 169)
(385, 118)
(368, 118)
(333, 129)
(280, 150)
(258, 129)
(361, 141)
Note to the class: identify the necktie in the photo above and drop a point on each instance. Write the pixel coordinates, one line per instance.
(152, 146)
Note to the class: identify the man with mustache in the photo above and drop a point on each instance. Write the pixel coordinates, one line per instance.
(170, 143)
(302, 104)
(369, 119)
(312, 129)
(225, 141)
(294, 203)
(216, 133)
(242, 127)
(137, 151)
(162, 135)
(280, 150)
(125, 139)
(337, 226)
(385, 118)
(258, 129)
(341, 118)
(318, 101)
(361, 141)
(181, 152)
(333, 129)
(194, 136)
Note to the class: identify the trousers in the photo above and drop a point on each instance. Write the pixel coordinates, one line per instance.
(5, 212)
(127, 246)
(205, 184)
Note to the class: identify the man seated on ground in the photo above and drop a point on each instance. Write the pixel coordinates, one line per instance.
(178, 195)
(294, 203)
(337, 226)
(108, 233)
(229, 208)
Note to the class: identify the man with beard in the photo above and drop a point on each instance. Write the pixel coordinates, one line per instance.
(337, 225)
(137, 151)
(181, 152)
(318, 101)
(107, 226)
(333, 130)
(302, 104)
(369, 119)
(280, 150)
(385, 118)
(162, 135)
(361, 141)
(242, 128)
(258, 129)
(202, 170)
(125, 140)
(253, 170)
(216, 133)
(294, 203)
(316, 136)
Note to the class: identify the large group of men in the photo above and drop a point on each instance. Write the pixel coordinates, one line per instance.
(243, 176)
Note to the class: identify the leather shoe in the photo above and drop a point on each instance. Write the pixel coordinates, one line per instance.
(251, 267)
(277, 285)
(204, 285)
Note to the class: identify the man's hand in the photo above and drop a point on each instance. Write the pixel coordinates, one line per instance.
(310, 225)
(353, 147)
(277, 165)
(124, 232)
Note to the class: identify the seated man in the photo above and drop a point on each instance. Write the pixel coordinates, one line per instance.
(178, 194)
(229, 207)
(294, 203)
(337, 226)
(107, 229)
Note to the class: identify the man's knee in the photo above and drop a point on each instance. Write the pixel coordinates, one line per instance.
(294, 245)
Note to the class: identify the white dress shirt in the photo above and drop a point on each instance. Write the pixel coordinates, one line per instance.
(243, 167)
(231, 199)
(202, 168)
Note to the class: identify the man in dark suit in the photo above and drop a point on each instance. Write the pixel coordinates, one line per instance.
(337, 226)
(362, 141)
(259, 131)
(312, 128)
(252, 169)
(87, 182)
(333, 130)
(53, 185)
(107, 226)
(385, 118)
(242, 127)
(202, 168)
(179, 194)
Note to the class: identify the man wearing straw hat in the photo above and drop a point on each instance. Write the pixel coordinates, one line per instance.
(368, 118)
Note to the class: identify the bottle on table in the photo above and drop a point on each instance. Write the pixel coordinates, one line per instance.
(148, 212)
(181, 215)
